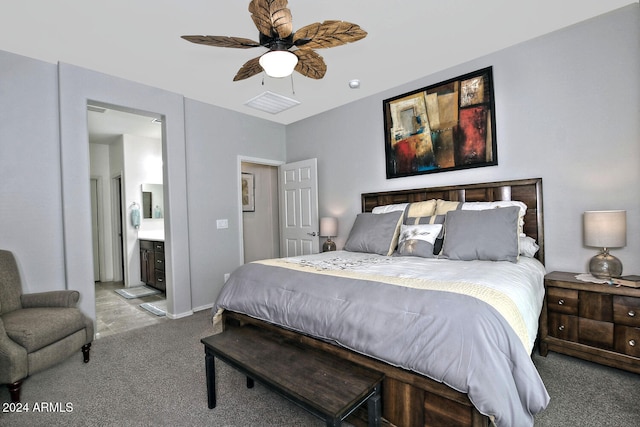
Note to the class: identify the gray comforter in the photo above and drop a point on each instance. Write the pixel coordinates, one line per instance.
(452, 338)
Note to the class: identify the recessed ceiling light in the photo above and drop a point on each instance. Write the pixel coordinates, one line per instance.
(354, 84)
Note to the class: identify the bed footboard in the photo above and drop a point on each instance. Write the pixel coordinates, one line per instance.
(409, 399)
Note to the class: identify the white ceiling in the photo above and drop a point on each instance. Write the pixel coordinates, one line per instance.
(408, 39)
(107, 126)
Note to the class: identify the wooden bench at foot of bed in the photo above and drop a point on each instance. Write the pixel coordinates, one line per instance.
(408, 399)
(311, 378)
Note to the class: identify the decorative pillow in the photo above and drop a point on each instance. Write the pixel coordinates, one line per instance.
(389, 208)
(433, 219)
(528, 246)
(419, 209)
(444, 206)
(375, 233)
(500, 204)
(418, 240)
(489, 235)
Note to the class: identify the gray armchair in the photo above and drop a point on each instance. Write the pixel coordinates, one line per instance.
(37, 330)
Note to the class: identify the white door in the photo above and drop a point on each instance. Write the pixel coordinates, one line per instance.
(298, 190)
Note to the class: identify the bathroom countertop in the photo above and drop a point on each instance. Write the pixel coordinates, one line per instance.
(157, 235)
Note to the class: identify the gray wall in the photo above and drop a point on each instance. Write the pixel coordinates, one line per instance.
(567, 110)
(30, 189)
(44, 178)
(216, 140)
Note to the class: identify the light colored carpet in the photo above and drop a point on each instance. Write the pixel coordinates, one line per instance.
(137, 291)
(155, 376)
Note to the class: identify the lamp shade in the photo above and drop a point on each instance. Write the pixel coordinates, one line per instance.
(278, 63)
(328, 227)
(605, 229)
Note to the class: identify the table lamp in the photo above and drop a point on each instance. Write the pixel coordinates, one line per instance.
(328, 229)
(605, 229)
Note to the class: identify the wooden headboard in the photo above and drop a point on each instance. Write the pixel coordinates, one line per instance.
(528, 191)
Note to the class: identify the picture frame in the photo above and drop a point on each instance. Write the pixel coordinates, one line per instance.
(442, 127)
(248, 192)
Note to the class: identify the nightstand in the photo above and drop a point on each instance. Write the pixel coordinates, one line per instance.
(595, 322)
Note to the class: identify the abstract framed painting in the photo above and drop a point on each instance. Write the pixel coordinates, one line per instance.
(442, 127)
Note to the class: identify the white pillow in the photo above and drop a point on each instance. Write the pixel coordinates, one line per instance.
(389, 208)
(528, 246)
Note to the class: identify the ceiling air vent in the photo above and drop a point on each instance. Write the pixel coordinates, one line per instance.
(271, 102)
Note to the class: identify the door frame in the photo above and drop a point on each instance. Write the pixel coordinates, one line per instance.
(117, 217)
(98, 236)
(246, 159)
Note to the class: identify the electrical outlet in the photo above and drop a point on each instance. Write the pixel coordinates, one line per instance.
(222, 223)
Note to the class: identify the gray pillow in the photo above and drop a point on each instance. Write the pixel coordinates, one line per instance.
(490, 235)
(375, 233)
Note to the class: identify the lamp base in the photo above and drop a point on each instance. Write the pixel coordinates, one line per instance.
(329, 245)
(605, 266)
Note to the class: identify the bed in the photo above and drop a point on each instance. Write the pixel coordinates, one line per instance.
(439, 288)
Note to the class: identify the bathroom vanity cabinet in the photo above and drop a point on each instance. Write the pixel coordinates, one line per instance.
(152, 264)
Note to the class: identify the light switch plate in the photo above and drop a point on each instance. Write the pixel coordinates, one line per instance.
(222, 223)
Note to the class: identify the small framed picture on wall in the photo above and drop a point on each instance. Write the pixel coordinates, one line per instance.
(248, 192)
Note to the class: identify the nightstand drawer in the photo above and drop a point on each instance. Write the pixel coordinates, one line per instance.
(628, 340)
(562, 300)
(626, 310)
(563, 326)
(596, 306)
(595, 333)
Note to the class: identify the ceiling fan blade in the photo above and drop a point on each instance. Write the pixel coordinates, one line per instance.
(249, 69)
(223, 41)
(272, 17)
(328, 34)
(310, 64)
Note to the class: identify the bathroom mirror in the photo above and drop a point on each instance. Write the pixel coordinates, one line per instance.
(152, 201)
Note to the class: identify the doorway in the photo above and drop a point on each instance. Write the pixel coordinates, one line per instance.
(260, 220)
(125, 154)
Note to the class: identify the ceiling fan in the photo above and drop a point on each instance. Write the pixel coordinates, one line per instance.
(288, 49)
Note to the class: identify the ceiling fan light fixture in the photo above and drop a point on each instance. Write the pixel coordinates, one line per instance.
(278, 63)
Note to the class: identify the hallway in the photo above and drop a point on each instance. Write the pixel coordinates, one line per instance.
(115, 314)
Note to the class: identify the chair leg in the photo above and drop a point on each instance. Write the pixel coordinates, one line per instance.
(14, 391)
(85, 352)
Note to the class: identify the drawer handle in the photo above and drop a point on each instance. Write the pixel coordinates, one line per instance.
(160, 279)
(561, 302)
(632, 343)
(561, 328)
(631, 313)
(158, 261)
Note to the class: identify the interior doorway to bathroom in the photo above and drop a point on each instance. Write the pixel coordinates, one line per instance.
(125, 155)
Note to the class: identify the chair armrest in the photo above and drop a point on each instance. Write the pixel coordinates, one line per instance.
(50, 299)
